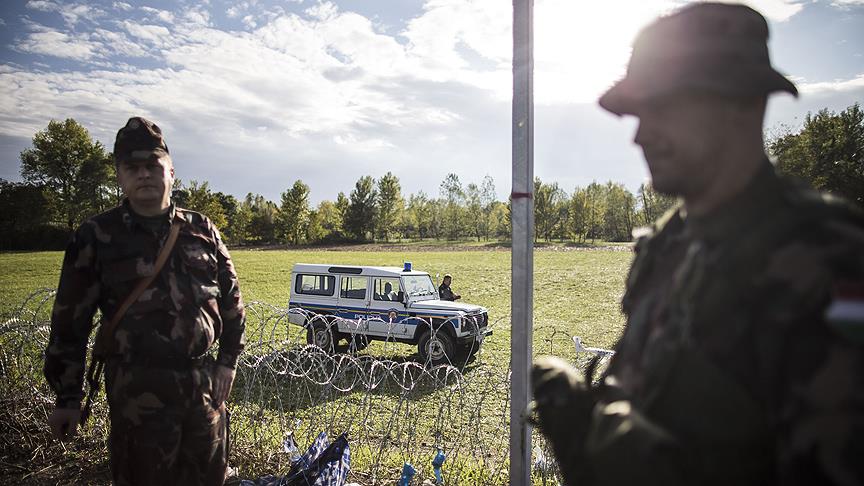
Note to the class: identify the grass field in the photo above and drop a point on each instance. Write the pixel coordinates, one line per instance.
(577, 292)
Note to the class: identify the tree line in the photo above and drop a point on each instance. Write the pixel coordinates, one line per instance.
(67, 177)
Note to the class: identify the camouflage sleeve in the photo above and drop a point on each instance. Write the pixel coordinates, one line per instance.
(72, 319)
(233, 339)
(819, 401)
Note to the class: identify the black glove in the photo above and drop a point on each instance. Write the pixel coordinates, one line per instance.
(561, 410)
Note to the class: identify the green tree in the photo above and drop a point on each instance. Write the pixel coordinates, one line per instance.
(652, 204)
(828, 152)
(342, 203)
(474, 211)
(360, 214)
(487, 200)
(314, 227)
(198, 197)
(419, 215)
(453, 199)
(619, 216)
(330, 219)
(24, 217)
(389, 205)
(293, 217)
(548, 199)
(595, 210)
(578, 210)
(500, 224)
(239, 224)
(436, 218)
(231, 209)
(75, 172)
(262, 224)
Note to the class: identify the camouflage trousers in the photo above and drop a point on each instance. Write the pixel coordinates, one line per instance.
(164, 429)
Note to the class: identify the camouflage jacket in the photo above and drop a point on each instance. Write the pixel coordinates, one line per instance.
(743, 356)
(193, 302)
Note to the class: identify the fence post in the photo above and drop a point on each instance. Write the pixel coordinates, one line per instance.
(522, 257)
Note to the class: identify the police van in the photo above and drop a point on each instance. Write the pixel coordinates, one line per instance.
(345, 307)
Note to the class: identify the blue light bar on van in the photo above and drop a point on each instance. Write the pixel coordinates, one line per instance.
(407, 267)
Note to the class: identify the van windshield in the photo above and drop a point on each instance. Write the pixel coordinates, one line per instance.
(418, 285)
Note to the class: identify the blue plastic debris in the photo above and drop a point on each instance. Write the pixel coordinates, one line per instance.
(408, 472)
(289, 446)
(437, 462)
(324, 464)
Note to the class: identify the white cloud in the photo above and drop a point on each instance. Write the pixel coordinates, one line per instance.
(44, 6)
(154, 34)
(777, 10)
(846, 3)
(119, 43)
(198, 16)
(162, 15)
(72, 13)
(786, 112)
(2, 22)
(328, 87)
(337, 96)
(57, 44)
(249, 22)
(237, 10)
(121, 6)
(836, 86)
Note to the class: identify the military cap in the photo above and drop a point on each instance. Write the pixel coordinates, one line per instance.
(140, 139)
(716, 48)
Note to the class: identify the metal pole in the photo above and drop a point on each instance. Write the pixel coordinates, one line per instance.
(522, 256)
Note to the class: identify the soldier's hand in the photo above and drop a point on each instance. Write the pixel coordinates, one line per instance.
(223, 378)
(64, 422)
(561, 408)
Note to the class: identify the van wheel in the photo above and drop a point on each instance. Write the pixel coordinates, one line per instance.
(437, 348)
(320, 335)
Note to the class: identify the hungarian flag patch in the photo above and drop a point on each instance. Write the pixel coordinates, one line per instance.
(845, 314)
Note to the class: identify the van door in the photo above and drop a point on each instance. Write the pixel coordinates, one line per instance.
(385, 310)
(353, 303)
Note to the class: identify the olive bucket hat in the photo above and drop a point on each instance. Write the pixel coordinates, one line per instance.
(140, 139)
(711, 47)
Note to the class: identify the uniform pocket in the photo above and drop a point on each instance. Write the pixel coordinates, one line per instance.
(200, 265)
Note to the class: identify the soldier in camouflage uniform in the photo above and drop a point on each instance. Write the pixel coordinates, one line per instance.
(743, 357)
(166, 396)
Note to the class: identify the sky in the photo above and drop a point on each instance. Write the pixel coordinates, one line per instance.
(253, 95)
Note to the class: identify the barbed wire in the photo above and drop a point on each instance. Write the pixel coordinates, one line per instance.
(394, 408)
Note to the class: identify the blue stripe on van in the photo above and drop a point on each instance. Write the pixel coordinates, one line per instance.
(400, 316)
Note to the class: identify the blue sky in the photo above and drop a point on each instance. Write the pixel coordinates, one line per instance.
(253, 95)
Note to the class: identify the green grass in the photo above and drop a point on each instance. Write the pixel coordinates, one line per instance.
(576, 293)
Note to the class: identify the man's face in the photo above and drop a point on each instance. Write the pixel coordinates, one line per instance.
(681, 137)
(447, 281)
(146, 182)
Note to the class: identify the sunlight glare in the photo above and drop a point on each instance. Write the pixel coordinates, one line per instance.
(582, 47)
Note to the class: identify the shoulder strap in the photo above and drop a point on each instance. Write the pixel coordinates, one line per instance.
(107, 331)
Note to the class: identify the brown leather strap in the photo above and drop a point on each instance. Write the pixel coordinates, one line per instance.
(107, 331)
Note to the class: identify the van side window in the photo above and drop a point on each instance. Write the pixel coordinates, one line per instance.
(353, 288)
(315, 284)
(386, 289)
